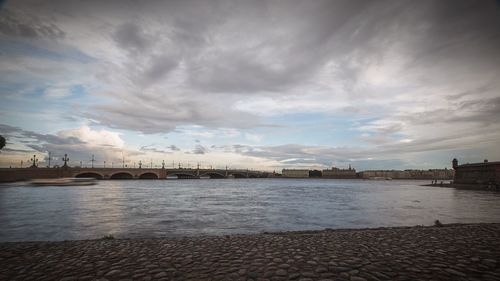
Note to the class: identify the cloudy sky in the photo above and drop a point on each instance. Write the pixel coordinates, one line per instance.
(251, 84)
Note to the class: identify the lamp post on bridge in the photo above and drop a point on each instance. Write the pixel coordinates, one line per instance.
(92, 162)
(104, 164)
(66, 159)
(34, 162)
(140, 164)
(163, 165)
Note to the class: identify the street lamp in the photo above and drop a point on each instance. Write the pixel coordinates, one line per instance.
(34, 161)
(66, 159)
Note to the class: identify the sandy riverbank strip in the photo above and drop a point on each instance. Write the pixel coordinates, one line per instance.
(451, 252)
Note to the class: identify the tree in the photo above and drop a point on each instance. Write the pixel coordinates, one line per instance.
(2, 142)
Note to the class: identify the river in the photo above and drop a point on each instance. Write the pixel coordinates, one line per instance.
(166, 208)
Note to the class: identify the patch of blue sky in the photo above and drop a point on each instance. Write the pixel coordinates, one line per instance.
(77, 91)
(11, 89)
(32, 111)
(27, 93)
(17, 48)
(43, 121)
(365, 121)
(31, 95)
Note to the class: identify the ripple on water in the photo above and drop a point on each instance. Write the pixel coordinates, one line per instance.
(193, 207)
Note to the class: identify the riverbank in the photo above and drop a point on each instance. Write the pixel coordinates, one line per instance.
(450, 252)
(490, 187)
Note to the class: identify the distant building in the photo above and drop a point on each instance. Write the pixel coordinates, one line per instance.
(295, 173)
(432, 174)
(392, 174)
(477, 175)
(336, 173)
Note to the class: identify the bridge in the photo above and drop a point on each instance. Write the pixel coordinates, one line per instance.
(17, 174)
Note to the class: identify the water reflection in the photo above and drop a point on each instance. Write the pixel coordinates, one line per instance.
(87, 210)
(145, 208)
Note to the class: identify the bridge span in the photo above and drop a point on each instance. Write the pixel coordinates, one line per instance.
(18, 174)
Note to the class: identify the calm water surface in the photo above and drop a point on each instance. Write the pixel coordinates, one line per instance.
(159, 208)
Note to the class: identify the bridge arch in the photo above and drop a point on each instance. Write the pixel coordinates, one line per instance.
(94, 175)
(214, 175)
(149, 176)
(121, 176)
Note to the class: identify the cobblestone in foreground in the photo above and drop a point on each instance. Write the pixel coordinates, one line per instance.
(458, 252)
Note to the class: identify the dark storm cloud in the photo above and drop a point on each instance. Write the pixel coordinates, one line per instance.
(151, 148)
(482, 112)
(30, 137)
(266, 60)
(28, 26)
(200, 149)
(6, 129)
(150, 115)
(159, 67)
(132, 37)
(174, 148)
(16, 150)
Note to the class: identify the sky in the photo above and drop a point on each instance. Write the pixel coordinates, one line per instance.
(262, 85)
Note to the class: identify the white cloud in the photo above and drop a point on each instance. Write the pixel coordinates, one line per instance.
(94, 137)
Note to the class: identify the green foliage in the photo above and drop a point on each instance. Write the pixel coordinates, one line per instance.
(108, 237)
(2, 142)
(438, 223)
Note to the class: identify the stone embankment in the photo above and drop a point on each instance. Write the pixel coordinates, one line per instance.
(452, 252)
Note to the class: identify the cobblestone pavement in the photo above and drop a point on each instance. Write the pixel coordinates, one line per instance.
(453, 252)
